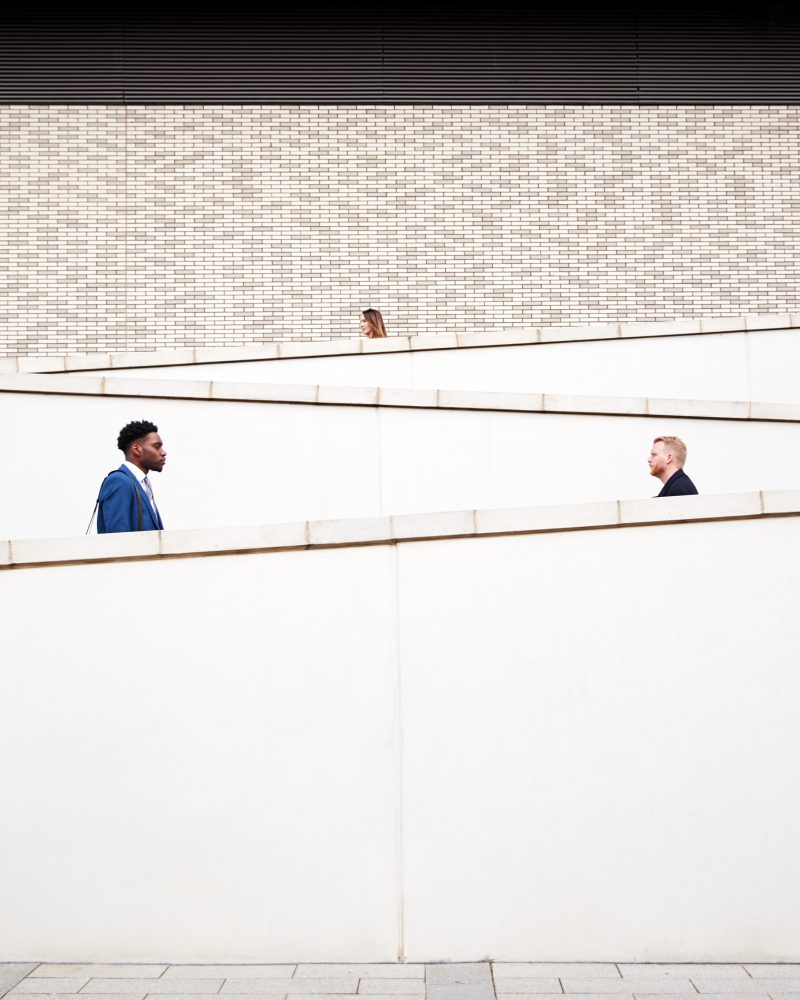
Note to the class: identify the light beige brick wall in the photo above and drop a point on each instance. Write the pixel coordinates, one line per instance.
(150, 227)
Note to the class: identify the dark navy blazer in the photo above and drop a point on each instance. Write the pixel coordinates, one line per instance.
(118, 509)
(678, 485)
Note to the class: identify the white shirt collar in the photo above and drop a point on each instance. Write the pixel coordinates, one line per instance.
(135, 470)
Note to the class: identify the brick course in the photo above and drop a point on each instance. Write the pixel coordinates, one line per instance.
(142, 228)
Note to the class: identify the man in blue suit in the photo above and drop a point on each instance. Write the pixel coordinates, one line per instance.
(126, 501)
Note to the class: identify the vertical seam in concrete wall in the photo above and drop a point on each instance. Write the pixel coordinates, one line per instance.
(378, 416)
(747, 367)
(398, 698)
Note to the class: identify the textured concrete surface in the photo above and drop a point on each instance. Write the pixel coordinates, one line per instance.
(434, 981)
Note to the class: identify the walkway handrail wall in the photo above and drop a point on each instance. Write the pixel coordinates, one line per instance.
(277, 350)
(393, 530)
(442, 399)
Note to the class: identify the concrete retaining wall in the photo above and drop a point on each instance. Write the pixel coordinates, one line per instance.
(256, 459)
(536, 746)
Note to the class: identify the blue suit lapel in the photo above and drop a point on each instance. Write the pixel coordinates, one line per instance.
(147, 510)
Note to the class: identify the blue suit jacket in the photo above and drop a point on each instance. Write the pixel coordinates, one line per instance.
(118, 509)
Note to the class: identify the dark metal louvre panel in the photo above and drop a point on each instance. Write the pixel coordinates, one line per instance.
(626, 55)
(61, 62)
(718, 66)
(253, 62)
(520, 63)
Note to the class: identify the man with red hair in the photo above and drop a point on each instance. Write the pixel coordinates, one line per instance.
(666, 462)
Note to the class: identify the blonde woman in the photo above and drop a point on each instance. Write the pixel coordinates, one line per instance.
(372, 323)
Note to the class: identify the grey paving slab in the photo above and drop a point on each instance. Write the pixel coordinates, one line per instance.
(763, 970)
(667, 996)
(540, 996)
(12, 972)
(150, 986)
(640, 984)
(695, 996)
(642, 969)
(707, 984)
(384, 970)
(442, 973)
(229, 971)
(54, 985)
(528, 984)
(115, 971)
(95, 996)
(392, 987)
(537, 970)
(315, 996)
(250, 996)
(344, 984)
(460, 991)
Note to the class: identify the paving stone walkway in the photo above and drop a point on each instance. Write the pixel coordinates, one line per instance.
(433, 981)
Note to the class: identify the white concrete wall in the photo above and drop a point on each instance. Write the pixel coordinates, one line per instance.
(220, 785)
(759, 366)
(234, 463)
(553, 746)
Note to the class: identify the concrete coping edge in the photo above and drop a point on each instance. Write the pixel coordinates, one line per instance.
(436, 399)
(396, 529)
(276, 350)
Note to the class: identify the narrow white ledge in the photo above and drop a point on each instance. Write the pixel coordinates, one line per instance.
(768, 322)
(257, 392)
(250, 538)
(173, 388)
(676, 328)
(627, 406)
(392, 530)
(254, 352)
(493, 338)
(779, 501)
(420, 398)
(558, 334)
(355, 531)
(723, 324)
(456, 399)
(561, 518)
(277, 350)
(440, 524)
(348, 395)
(308, 349)
(442, 399)
(709, 408)
(706, 508)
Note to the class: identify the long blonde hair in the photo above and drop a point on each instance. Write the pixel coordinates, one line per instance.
(375, 320)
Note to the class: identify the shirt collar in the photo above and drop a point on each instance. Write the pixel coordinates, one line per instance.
(135, 471)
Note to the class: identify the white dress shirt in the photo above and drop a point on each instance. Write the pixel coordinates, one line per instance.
(137, 472)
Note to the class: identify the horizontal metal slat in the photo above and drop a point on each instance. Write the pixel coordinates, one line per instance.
(635, 54)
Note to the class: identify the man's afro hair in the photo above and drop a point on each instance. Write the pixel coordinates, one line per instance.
(133, 431)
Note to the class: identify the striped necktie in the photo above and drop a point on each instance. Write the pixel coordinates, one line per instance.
(149, 491)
